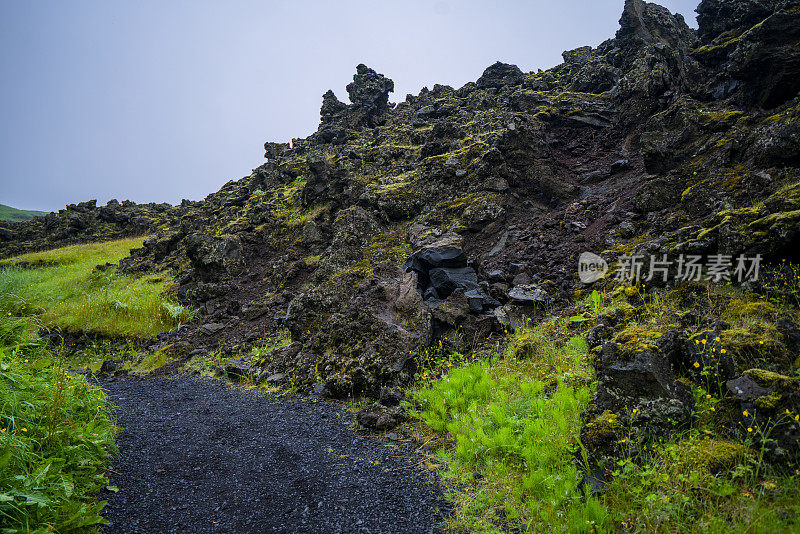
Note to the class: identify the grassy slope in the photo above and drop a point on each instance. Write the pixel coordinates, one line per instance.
(508, 430)
(7, 213)
(63, 289)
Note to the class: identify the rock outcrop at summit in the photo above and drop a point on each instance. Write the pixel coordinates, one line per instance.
(369, 97)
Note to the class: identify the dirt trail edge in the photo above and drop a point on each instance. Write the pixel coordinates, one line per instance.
(200, 456)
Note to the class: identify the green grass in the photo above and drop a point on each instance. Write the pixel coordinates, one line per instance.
(511, 429)
(7, 213)
(62, 288)
(700, 483)
(56, 436)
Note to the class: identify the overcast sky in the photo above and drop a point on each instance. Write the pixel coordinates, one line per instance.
(164, 100)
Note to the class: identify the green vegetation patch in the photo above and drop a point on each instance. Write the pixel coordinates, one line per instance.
(56, 436)
(510, 427)
(62, 288)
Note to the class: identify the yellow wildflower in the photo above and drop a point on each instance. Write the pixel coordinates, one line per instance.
(749, 429)
(746, 413)
(696, 365)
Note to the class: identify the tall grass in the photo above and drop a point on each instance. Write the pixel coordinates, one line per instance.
(62, 288)
(513, 426)
(55, 437)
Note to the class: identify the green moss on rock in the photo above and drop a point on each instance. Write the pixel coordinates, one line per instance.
(750, 308)
(768, 402)
(782, 218)
(601, 431)
(710, 455)
(638, 339)
(758, 344)
(769, 379)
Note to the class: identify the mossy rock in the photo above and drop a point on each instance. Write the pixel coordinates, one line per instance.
(751, 307)
(719, 48)
(621, 313)
(769, 379)
(526, 345)
(768, 402)
(710, 455)
(783, 218)
(601, 435)
(785, 199)
(691, 295)
(637, 339)
(756, 345)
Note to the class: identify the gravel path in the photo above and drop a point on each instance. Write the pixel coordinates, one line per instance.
(200, 456)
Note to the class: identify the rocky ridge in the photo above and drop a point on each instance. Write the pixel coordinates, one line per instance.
(86, 221)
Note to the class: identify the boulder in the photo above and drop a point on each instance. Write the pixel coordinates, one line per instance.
(214, 257)
(529, 294)
(436, 256)
(636, 388)
(358, 333)
(391, 396)
(211, 328)
(108, 367)
(239, 369)
(441, 268)
(445, 280)
(500, 75)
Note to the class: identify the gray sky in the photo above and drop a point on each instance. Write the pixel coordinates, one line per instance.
(158, 101)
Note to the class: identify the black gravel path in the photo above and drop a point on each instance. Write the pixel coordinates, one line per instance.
(200, 456)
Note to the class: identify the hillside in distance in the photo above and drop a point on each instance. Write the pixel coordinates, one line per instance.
(7, 213)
